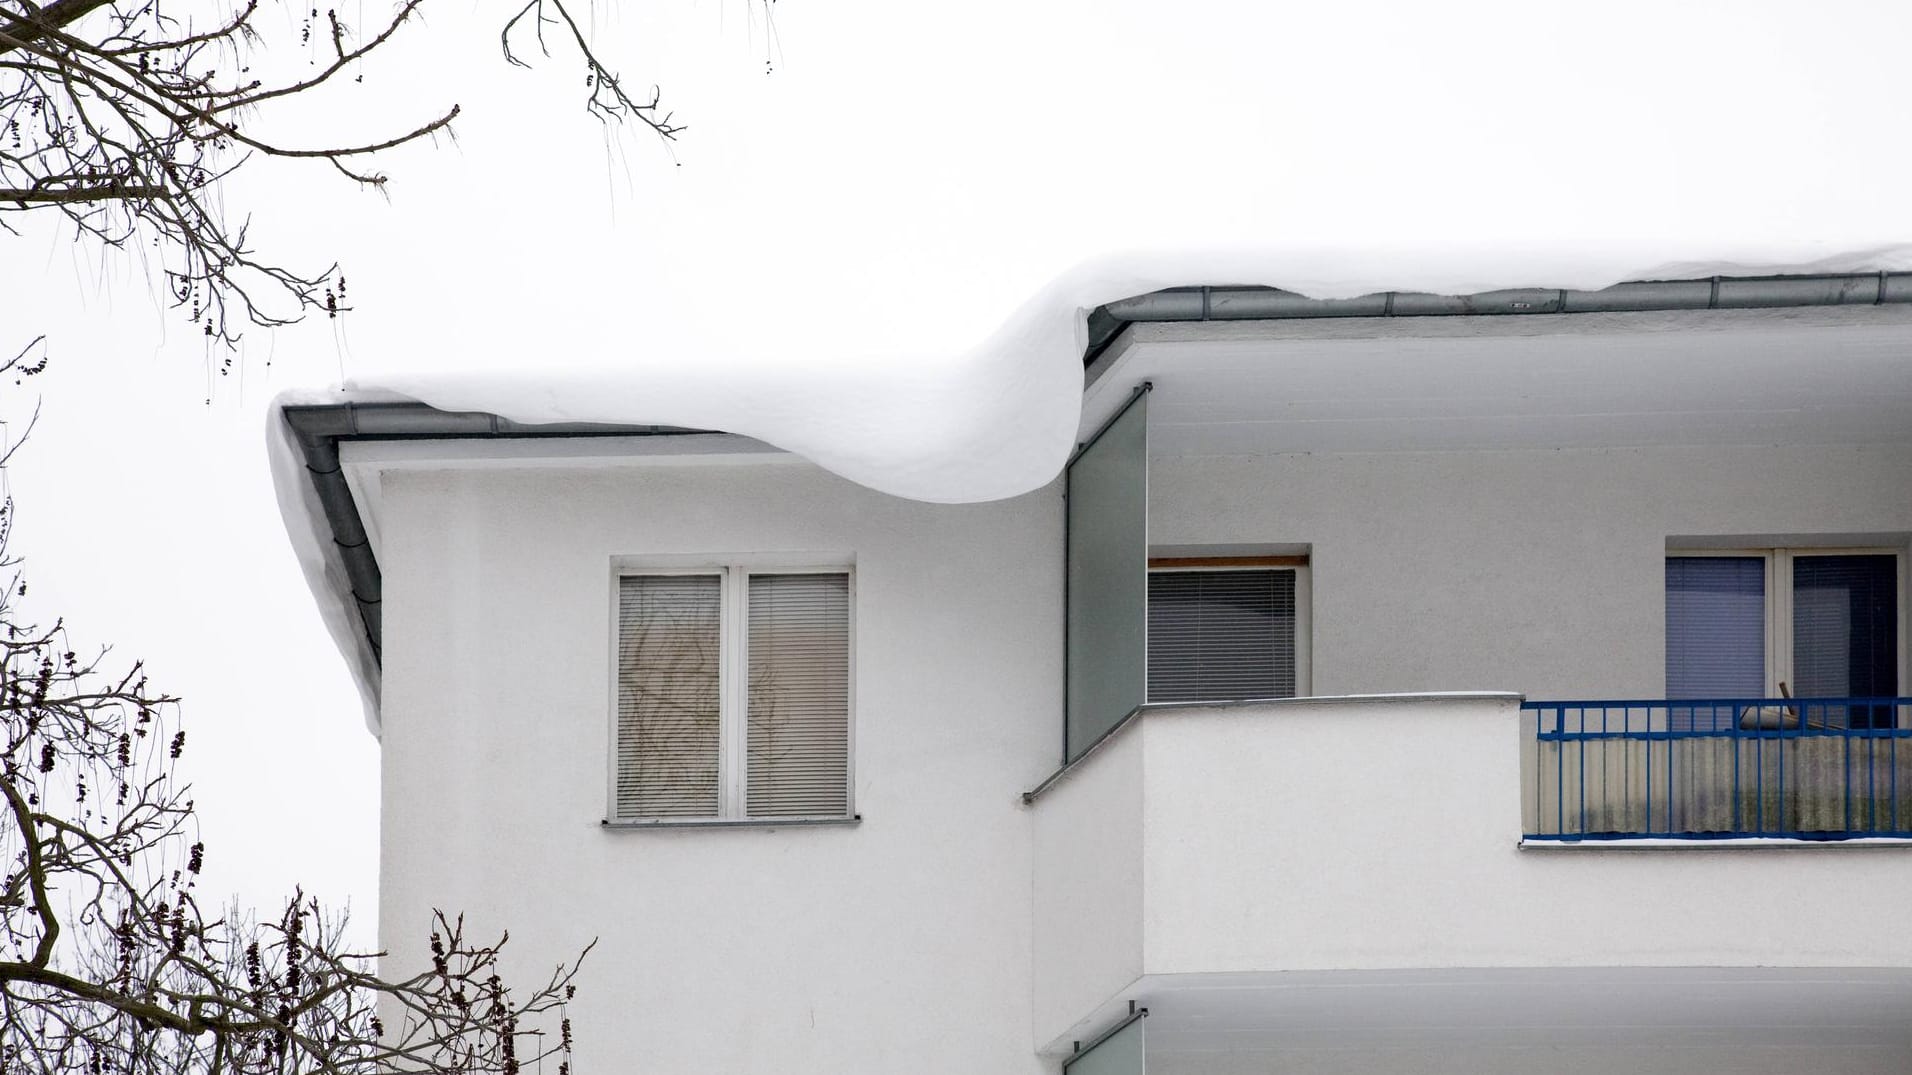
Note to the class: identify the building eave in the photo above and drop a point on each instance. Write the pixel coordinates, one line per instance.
(319, 429)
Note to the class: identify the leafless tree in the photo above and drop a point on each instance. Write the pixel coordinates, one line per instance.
(109, 965)
(124, 116)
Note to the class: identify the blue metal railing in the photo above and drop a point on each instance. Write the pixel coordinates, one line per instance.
(1719, 768)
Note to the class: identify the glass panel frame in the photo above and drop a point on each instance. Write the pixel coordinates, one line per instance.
(1106, 578)
(1122, 1051)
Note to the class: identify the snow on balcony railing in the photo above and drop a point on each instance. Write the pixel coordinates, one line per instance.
(1801, 768)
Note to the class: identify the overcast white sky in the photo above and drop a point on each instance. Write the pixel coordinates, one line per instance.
(904, 179)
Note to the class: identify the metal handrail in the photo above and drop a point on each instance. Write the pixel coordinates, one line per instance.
(1710, 768)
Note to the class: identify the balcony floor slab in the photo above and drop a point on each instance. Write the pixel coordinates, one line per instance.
(1644, 1020)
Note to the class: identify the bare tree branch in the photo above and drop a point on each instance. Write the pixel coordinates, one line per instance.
(107, 963)
(124, 118)
(38, 20)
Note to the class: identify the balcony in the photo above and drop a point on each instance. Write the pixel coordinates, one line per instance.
(1206, 855)
(1464, 882)
(1764, 769)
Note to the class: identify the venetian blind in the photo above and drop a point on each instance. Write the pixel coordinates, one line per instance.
(1715, 634)
(669, 634)
(1715, 626)
(1221, 635)
(797, 762)
(1846, 631)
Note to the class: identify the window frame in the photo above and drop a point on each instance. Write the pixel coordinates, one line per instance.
(733, 680)
(1779, 601)
(1304, 605)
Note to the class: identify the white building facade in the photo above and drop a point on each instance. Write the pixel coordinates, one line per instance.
(1462, 693)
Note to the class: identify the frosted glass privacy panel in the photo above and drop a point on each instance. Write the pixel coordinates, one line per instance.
(1121, 1053)
(1108, 551)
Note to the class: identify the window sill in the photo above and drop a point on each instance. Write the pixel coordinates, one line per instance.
(1740, 843)
(634, 825)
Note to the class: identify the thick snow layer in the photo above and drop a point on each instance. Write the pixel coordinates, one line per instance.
(992, 419)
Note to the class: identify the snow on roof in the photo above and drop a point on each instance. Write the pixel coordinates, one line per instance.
(991, 420)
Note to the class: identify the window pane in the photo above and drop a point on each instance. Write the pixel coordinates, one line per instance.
(1220, 635)
(1846, 629)
(1108, 550)
(799, 699)
(669, 637)
(1715, 630)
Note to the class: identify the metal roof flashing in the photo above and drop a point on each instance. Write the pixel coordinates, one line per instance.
(1107, 323)
(318, 431)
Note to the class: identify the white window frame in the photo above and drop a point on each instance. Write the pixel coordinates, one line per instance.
(1779, 601)
(1304, 603)
(733, 680)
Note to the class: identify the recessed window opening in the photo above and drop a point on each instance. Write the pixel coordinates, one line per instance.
(1808, 623)
(1227, 628)
(733, 695)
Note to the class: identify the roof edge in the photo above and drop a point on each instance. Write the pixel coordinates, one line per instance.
(1107, 322)
(318, 429)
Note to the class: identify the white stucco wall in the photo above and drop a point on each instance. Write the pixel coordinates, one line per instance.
(1088, 884)
(911, 940)
(1533, 571)
(1375, 835)
(898, 944)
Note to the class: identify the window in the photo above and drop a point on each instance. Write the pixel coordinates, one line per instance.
(733, 695)
(1227, 628)
(1759, 622)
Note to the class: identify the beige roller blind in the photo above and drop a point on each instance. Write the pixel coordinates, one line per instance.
(668, 702)
(798, 751)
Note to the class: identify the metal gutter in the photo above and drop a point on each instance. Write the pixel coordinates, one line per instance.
(1106, 323)
(319, 428)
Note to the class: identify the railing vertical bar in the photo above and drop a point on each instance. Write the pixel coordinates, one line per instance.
(1582, 758)
(1732, 740)
(1626, 765)
(1607, 760)
(1780, 802)
(1648, 744)
(1759, 779)
(1872, 786)
(1846, 752)
(1560, 773)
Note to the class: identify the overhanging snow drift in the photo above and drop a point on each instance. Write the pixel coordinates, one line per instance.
(995, 422)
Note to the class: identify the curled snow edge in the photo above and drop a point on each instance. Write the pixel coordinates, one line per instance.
(992, 421)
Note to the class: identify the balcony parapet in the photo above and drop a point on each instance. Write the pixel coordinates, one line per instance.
(1385, 833)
